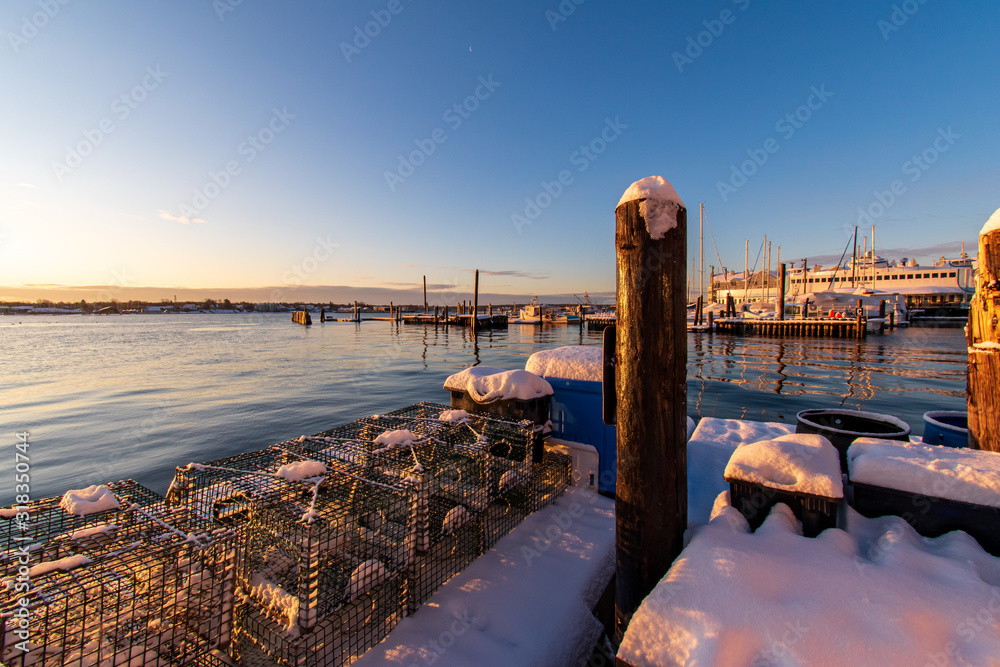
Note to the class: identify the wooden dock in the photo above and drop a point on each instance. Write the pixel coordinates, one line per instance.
(818, 328)
(599, 320)
(464, 320)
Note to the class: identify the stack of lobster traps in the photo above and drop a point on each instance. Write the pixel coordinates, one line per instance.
(113, 576)
(344, 532)
(307, 552)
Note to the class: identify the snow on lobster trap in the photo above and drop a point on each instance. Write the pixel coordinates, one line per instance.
(111, 576)
(322, 549)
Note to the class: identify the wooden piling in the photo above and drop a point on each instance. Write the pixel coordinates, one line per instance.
(781, 291)
(475, 305)
(859, 332)
(982, 336)
(425, 295)
(651, 355)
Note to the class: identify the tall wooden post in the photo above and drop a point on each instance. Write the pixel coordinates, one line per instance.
(425, 295)
(475, 305)
(651, 366)
(781, 290)
(982, 336)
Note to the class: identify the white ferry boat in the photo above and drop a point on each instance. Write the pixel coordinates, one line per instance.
(944, 288)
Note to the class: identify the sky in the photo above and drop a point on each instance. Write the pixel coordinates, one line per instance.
(238, 144)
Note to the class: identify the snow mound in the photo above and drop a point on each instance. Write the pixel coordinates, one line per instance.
(799, 462)
(572, 362)
(301, 470)
(876, 594)
(453, 416)
(992, 224)
(486, 384)
(91, 500)
(963, 475)
(658, 204)
(398, 438)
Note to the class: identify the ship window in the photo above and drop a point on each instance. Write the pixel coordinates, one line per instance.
(935, 275)
(909, 276)
(881, 277)
(927, 275)
(951, 275)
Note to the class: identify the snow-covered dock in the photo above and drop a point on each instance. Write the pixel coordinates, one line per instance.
(872, 591)
(526, 602)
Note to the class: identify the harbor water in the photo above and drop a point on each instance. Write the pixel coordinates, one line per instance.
(105, 398)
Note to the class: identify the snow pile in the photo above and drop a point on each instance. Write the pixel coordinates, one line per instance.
(486, 384)
(964, 475)
(799, 462)
(365, 577)
(659, 204)
(992, 224)
(301, 470)
(453, 416)
(99, 529)
(878, 594)
(525, 602)
(392, 439)
(88, 501)
(572, 362)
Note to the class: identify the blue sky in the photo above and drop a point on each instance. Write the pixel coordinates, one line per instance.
(264, 143)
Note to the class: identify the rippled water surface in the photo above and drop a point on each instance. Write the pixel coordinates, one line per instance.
(108, 398)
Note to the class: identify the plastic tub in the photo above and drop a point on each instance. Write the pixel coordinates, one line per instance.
(946, 427)
(842, 427)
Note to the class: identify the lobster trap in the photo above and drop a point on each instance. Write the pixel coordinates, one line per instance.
(343, 532)
(138, 584)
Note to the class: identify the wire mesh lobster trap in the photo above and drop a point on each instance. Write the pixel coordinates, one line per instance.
(322, 549)
(343, 532)
(138, 584)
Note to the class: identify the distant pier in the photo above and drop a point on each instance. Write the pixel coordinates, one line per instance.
(815, 328)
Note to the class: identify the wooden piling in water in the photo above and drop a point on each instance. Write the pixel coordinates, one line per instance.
(982, 336)
(475, 305)
(781, 291)
(651, 354)
(859, 332)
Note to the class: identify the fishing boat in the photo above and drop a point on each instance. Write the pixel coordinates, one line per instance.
(538, 313)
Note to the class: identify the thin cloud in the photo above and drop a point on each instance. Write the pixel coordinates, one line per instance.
(183, 219)
(512, 274)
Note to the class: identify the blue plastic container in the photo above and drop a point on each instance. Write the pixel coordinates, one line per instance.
(946, 427)
(577, 415)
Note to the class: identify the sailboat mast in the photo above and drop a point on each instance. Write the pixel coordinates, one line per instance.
(746, 270)
(701, 240)
(873, 257)
(854, 262)
(776, 272)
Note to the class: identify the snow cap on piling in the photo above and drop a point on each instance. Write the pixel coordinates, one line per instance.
(658, 204)
(992, 224)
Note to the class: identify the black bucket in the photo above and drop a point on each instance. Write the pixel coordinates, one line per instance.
(842, 427)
